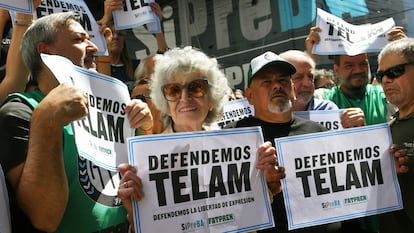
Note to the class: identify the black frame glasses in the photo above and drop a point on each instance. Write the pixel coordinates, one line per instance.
(392, 72)
(197, 88)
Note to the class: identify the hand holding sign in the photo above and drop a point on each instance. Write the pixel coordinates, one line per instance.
(401, 159)
(101, 135)
(135, 14)
(339, 37)
(348, 175)
(267, 162)
(70, 104)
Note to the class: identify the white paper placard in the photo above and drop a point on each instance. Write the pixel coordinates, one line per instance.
(101, 135)
(339, 37)
(200, 181)
(338, 175)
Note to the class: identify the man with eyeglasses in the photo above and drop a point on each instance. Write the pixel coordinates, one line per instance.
(51, 187)
(396, 75)
(354, 91)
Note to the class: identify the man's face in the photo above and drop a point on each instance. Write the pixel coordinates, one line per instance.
(271, 91)
(302, 80)
(72, 42)
(400, 90)
(353, 72)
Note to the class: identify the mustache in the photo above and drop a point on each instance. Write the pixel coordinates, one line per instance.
(278, 92)
(358, 75)
(304, 89)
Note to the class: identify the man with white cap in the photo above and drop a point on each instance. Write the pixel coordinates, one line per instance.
(270, 91)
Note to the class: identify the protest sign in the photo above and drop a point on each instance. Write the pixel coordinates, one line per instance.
(101, 135)
(235, 110)
(135, 14)
(88, 22)
(25, 6)
(203, 181)
(339, 37)
(338, 175)
(331, 119)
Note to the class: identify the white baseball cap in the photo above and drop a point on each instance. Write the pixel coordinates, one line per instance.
(267, 59)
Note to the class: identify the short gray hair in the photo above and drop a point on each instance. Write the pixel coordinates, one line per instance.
(403, 47)
(44, 30)
(188, 60)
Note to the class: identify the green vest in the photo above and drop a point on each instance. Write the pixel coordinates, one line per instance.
(91, 207)
(373, 102)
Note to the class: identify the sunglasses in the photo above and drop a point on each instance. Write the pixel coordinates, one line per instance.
(392, 72)
(196, 88)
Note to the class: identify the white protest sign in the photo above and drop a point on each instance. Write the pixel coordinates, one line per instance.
(235, 110)
(101, 135)
(331, 119)
(202, 181)
(24, 6)
(340, 37)
(88, 22)
(338, 175)
(136, 14)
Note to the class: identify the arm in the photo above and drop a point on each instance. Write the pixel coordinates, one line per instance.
(400, 158)
(130, 186)
(161, 42)
(313, 38)
(353, 117)
(396, 33)
(40, 182)
(16, 73)
(267, 162)
(109, 7)
(139, 116)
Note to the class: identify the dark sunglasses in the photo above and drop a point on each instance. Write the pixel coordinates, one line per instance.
(392, 72)
(196, 88)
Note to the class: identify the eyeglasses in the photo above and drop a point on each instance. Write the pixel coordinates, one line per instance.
(196, 88)
(392, 72)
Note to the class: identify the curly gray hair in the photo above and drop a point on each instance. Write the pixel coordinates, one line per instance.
(183, 61)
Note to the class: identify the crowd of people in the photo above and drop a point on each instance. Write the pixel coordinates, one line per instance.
(179, 89)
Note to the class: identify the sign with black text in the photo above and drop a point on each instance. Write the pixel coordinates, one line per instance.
(101, 135)
(135, 14)
(235, 110)
(331, 119)
(338, 175)
(25, 6)
(339, 37)
(202, 181)
(88, 22)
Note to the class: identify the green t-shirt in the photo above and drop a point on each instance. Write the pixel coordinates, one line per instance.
(373, 102)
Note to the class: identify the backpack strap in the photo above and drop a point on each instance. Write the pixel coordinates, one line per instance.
(31, 99)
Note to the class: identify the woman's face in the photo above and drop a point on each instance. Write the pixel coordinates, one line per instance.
(117, 41)
(188, 100)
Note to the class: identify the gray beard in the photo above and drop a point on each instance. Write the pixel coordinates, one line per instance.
(280, 108)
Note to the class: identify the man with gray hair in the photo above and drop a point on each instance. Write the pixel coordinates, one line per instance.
(396, 75)
(303, 83)
(270, 91)
(52, 188)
